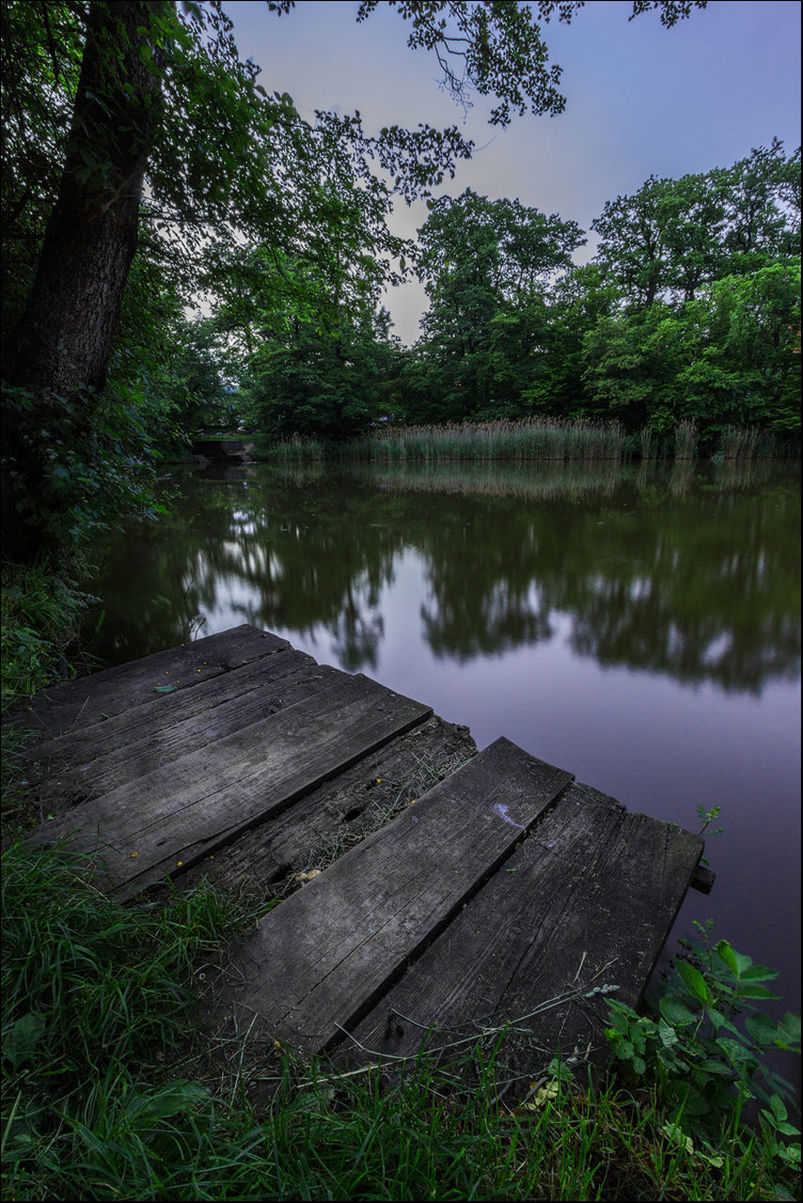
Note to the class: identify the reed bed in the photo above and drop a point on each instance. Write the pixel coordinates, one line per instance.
(647, 438)
(296, 450)
(739, 442)
(515, 441)
(558, 440)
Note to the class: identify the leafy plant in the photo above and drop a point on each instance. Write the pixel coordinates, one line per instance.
(706, 1065)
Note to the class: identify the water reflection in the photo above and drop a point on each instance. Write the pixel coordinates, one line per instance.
(693, 574)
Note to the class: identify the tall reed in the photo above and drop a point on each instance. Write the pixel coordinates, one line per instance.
(739, 442)
(686, 438)
(517, 441)
(648, 449)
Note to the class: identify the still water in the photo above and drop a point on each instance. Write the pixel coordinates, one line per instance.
(639, 627)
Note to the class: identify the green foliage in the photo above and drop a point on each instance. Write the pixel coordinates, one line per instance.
(726, 359)
(169, 367)
(89, 460)
(485, 265)
(326, 382)
(705, 1064)
(41, 57)
(40, 614)
(674, 236)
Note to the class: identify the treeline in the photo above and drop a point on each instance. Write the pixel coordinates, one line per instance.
(689, 312)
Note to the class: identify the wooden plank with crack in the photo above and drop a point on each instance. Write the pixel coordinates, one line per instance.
(168, 818)
(339, 813)
(318, 961)
(93, 699)
(585, 902)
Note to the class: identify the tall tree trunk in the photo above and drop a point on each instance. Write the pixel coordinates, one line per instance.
(64, 339)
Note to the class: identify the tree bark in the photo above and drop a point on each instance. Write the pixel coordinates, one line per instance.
(65, 335)
(63, 342)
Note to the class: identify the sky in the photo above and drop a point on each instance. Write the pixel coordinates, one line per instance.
(641, 100)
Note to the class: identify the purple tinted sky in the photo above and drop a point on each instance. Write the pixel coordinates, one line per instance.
(641, 99)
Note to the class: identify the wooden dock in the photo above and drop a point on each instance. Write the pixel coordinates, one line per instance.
(458, 893)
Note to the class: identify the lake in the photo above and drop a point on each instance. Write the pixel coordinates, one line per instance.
(639, 627)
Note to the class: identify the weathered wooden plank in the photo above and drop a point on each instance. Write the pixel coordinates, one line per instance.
(132, 725)
(100, 696)
(135, 745)
(337, 814)
(587, 900)
(174, 814)
(321, 958)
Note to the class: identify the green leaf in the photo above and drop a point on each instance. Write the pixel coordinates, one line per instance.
(761, 1028)
(736, 1052)
(695, 982)
(736, 961)
(710, 1066)
(750, 990)
(667, 1034)
(759, 973)
(163, 688)
(175, 1097)
(788, 1033)
(675, 1013)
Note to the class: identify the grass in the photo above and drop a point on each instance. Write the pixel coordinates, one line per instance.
(41, 611)
(687, 436)
(110, 1091)
(40, 616)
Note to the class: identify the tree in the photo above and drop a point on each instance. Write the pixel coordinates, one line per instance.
(626, 369)
(763, 208)
(671, 237)
(65, 334)
(483, 263)
(139, 54)
(744, 365)
(575, 304)
(726, 358)
(666, 239)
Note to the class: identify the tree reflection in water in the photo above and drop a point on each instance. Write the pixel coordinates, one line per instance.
(688, 572)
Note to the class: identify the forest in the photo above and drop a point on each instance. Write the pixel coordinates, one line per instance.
(185, 254)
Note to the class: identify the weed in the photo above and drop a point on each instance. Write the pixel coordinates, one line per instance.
(705, 1066)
